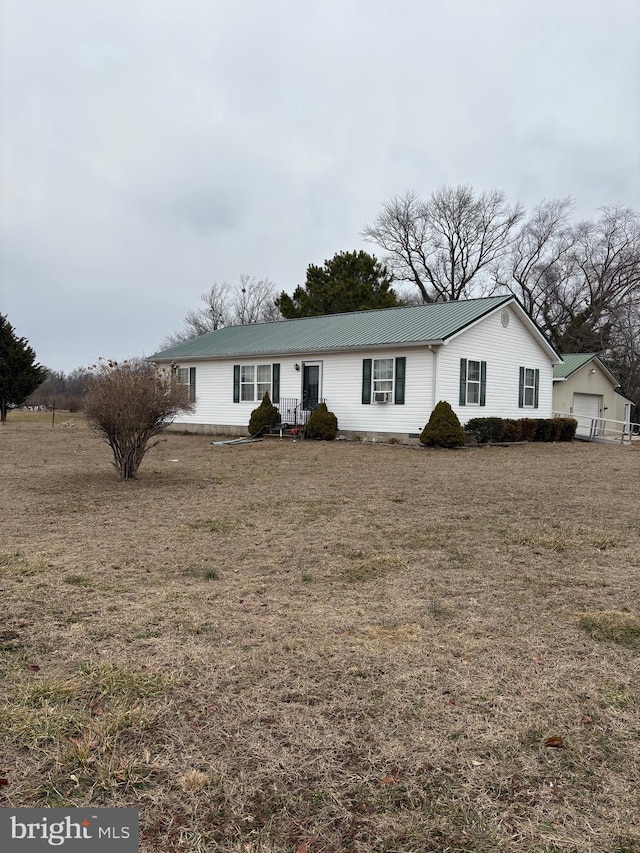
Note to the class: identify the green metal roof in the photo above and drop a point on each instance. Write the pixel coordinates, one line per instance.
(571, 362)
(575, 360)
(431, 323)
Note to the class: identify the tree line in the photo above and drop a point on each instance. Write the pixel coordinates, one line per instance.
(578, 280)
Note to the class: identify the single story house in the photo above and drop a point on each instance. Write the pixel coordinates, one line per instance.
(585, 388)
(380, 372)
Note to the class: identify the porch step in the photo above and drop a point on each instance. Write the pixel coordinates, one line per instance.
(292, 433)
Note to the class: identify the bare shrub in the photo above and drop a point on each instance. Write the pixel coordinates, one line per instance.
(129, 404)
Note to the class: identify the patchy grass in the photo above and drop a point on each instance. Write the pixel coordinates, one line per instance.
(613, 627)
(324, 646)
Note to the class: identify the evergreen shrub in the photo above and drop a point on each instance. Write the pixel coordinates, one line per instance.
(323, 424)
(529, 427)
(443, 429)
(264, 417)
(512, 430)
(568, 427)
(544, 430)
(486, 429)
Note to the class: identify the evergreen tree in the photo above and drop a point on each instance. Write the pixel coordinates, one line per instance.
(350, 281)
(19, 373)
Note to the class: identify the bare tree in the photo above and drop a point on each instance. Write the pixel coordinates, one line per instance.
(542, 244)
(444, 245)
(575, 280)
(624, 353)
(607, 259)
(128, 405)
(252, 301)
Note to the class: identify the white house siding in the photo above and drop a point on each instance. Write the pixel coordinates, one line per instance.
(341, 388)
(505, 350)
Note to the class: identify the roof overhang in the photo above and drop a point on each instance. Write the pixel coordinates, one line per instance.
(298, 353)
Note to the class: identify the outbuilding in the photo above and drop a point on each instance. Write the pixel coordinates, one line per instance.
(585, 388)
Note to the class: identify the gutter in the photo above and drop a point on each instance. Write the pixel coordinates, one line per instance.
(363, 347)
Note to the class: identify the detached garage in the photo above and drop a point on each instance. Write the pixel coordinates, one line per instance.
(585, 388)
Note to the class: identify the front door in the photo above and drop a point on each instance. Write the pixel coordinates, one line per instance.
(310, 386)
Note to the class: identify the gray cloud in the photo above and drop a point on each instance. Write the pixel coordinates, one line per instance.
(152, 147)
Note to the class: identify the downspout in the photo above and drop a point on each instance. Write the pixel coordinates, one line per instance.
(434, 374)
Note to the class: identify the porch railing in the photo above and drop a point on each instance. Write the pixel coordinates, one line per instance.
(592, 429)
(295, 412)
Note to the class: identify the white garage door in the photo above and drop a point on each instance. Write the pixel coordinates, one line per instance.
(585, 407)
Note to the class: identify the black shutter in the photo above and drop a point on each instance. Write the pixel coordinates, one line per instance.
(236, 383)
(192, 384)
(275, 383)
(536, 385)
(521, 389)
(366, 380)
(463, 382)
(401, 369)
(483, 383)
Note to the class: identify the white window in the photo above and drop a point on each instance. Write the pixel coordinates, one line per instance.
(473, 383)
(529, 387)
(187, 376)
(255, 381)
(382, 380)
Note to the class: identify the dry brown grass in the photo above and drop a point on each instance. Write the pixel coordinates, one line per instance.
(330, 647)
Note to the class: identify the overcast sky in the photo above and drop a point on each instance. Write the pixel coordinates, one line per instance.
(153, 147)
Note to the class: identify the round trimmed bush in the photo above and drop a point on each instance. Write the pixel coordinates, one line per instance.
(323, 424)
(443, 429)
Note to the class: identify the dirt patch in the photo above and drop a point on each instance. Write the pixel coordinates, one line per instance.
(331, 646)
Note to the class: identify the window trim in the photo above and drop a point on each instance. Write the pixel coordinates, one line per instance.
(523, 387)
(394, 395)
(189, 380)
(273, 384)
(465, 381)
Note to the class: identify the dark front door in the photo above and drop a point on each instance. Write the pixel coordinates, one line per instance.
(310, 386)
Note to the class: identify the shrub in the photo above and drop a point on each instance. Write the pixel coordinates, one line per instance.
(512, 430)
(528, 427)
(264, 417)
(568, 427)
(486, 429)
(323, 424)
(129, 404)
(544, 430)
(556, 429)
(443, 429)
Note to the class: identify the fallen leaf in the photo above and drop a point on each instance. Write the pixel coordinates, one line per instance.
(585, 720)
(34, 667)
(387, 780)
(554, 742)
(96, 710)
(3, 782)
(301, 848)
(76, 741)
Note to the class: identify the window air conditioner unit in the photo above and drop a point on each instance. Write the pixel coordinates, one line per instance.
(382, 396)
